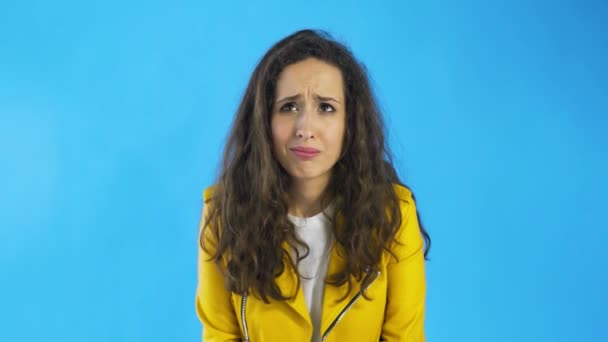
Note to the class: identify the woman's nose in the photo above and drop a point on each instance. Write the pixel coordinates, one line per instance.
(304, 127)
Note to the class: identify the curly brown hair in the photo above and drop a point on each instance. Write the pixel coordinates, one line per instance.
(247, 213)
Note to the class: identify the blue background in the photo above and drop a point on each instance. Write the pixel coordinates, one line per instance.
(113, 116)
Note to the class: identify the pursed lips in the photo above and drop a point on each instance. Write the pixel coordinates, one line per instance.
(305, 149)
(305, 152)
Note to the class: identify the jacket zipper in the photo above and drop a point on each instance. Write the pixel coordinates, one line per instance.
(243, 304)
(346, 308)
(331, 326)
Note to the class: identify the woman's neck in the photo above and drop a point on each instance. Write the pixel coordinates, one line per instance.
(305, 197)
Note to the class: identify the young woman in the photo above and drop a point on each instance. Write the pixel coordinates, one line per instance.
(308, 234)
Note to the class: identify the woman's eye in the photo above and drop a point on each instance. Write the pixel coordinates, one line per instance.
(326, 108)
(289, 107)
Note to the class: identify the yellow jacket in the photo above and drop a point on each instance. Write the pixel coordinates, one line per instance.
(394, 313)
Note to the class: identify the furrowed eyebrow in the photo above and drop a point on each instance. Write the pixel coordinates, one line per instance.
(326, 99)
(289, 98)
(318, 97)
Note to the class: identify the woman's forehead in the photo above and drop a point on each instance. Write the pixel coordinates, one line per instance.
(310, 78)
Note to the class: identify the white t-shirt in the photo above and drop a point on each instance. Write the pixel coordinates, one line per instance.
(316, 232)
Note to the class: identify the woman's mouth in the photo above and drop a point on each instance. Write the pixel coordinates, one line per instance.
(305, 152)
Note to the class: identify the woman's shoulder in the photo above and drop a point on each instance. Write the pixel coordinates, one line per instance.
(404, 194)
(408, 235)
(208, 192)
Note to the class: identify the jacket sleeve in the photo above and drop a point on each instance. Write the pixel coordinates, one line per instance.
(213, 302)
(405, 308)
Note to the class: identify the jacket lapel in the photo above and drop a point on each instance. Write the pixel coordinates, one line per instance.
(288, 282)
(331, 307)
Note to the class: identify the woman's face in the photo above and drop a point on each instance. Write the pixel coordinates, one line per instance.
(308, 119)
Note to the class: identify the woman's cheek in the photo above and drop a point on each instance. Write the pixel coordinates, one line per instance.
(281, 130)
